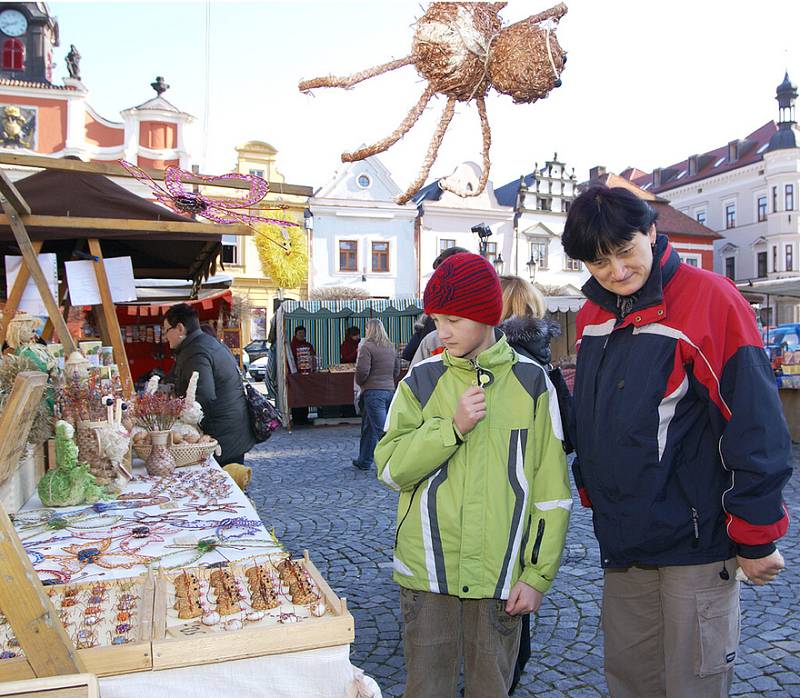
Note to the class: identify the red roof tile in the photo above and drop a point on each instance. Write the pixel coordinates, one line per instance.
(707, 162)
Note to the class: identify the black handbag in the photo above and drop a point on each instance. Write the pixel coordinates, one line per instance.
(264, 416)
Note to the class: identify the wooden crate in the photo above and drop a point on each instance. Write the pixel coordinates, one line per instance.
(107, 659)
(70, 686)
(194, 645)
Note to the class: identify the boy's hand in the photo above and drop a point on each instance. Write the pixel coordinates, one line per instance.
(471, 409)
(523, 599)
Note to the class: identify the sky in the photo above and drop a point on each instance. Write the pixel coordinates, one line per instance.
(647, 82)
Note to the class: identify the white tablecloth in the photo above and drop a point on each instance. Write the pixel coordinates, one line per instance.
(175, 525)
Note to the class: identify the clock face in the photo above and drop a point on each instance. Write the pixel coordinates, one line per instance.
(13, 23)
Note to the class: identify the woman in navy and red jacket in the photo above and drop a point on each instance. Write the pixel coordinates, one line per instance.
(682, 450)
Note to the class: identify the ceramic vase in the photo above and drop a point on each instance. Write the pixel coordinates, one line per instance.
(160, 461)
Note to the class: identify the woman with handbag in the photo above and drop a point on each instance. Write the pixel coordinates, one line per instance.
(377, 369)
(219, 388)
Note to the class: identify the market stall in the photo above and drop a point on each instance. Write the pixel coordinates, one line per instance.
(767, 294)
(175, 573)
(326, 323)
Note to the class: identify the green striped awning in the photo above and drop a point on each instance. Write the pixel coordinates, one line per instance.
(326, 322)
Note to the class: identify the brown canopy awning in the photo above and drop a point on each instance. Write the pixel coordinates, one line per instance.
(162, 253)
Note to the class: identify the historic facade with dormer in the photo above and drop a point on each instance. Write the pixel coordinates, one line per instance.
(360, 238)
(40, 115)
(541, 200)
(747, 190)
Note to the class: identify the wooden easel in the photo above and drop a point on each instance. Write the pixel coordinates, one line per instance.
(25, 604)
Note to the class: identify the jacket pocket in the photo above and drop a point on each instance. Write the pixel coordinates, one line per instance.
(718, 629)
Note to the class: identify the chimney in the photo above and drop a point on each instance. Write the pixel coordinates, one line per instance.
(657, 177)
(596, 172)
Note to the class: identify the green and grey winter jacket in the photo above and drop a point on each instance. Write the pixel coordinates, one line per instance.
(476, 513)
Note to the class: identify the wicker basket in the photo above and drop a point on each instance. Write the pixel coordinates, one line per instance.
(184, 454)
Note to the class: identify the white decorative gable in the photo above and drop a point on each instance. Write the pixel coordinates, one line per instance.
(539, 230)
(365, 180)
(466, 177)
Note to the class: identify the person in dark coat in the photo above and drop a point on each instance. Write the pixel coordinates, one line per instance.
(530, 334)
(348, 351)
(219, 387)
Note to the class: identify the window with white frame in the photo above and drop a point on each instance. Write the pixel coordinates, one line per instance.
(761, 264)
(790, 257)
(700, 216)
(491, 251)
(774, 258)
(761, 208)
(230, 249)
(572, 264)
(788, 197)
(539, 252)
(730, 214)
(730, 267)
(774, 199)
(693, 260)
(257, 173)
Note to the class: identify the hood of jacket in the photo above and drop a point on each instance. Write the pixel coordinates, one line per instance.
(531, 335)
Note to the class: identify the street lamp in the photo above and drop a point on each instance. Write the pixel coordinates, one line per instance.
(483, 232)
(498, 263)
(533, 265)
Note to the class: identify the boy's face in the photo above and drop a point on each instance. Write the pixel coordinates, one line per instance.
(463, 337)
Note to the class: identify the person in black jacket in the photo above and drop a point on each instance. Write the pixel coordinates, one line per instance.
(682, 450)
(529, 334)
(219, 387)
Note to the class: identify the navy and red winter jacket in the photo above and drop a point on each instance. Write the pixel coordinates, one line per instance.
(683, 449)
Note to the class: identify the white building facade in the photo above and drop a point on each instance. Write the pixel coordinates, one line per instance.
(446, 220)
(748, 192)
(359, 237)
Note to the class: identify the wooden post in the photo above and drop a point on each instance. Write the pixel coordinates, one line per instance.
(110, 320)
(15, 293)
(23, 600)
(29, 257)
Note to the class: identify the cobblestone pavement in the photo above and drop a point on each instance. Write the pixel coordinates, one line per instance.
(304, 485)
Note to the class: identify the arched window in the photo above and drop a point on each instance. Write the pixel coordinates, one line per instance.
(13, 55)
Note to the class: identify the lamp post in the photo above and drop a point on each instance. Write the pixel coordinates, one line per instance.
(533, 265)
(498, 263)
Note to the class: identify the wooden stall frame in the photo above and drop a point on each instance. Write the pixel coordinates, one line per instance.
(69, 686)
(17, 214)
(25, 604)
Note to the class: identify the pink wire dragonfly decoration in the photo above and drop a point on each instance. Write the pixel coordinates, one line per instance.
(228, 210)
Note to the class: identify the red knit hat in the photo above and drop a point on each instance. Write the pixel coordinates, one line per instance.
(465, 285)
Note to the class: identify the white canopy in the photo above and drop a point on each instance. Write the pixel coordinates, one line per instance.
(789, 287)
(564, 304)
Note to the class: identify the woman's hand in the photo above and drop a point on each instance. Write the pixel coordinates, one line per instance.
(523, 599)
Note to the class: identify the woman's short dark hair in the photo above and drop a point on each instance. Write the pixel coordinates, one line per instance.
(447, 252)
(603, 218)
(185, 313)
(353, 331)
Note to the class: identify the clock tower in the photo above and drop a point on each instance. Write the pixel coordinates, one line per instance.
(28, 33)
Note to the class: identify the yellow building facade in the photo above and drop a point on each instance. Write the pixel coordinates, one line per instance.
(254, 290)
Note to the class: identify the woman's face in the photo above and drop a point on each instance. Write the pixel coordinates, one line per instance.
(173, 335)
(627, 268)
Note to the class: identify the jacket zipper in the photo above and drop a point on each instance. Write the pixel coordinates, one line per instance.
(696, 526)
(538, 542)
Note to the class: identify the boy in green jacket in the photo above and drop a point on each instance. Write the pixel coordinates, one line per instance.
(473, 444)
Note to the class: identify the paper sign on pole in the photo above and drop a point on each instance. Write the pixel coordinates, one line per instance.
(82, 281)
(31, 301)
